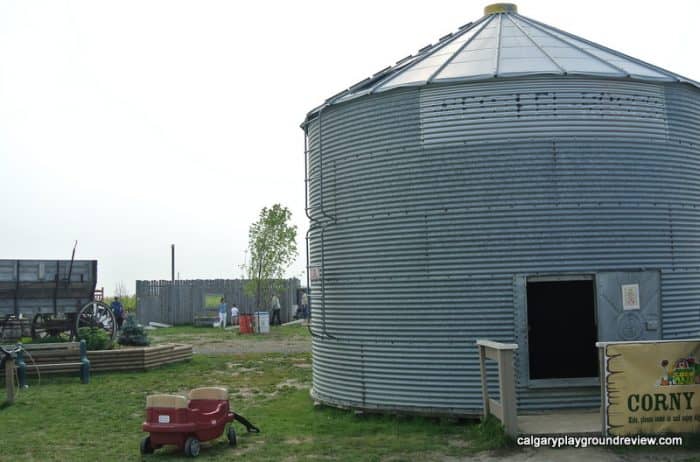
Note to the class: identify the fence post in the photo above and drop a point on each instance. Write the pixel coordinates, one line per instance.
(484, 381)
(21, 368)
(10, 379)
(603, 379)
(506, 409)
(84, 363)
(506, 383)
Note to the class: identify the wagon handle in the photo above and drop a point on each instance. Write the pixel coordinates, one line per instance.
(70, 268)
(248, 426)
(12, 351)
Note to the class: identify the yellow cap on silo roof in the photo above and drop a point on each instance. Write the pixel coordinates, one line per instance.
(501, 8)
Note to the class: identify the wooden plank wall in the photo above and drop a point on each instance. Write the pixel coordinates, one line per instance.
(176, 302)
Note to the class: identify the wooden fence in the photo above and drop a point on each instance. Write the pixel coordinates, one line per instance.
(177, 302)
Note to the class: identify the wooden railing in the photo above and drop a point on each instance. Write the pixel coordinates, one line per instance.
(506, 410)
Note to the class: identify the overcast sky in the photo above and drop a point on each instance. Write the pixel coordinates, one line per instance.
(131, 125)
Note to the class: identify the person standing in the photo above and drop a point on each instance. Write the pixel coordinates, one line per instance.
(118, 311)
(275, 311)
(305, 305)
(234, 315)
(222, 313)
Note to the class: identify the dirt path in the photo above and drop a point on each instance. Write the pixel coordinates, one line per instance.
(219, 342)
(262, 346)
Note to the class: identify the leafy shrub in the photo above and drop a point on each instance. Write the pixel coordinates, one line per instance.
(133, 333)
(95, 338)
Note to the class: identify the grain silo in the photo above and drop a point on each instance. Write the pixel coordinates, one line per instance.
(507, 182)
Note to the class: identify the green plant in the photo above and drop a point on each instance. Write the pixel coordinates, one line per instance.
(272, 246)
(95, 338)
(133, 333)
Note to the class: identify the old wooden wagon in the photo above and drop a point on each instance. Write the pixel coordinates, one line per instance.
(58, 296)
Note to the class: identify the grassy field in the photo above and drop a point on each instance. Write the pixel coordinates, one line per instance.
(60, 419)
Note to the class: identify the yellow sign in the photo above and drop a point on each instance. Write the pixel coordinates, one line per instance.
(652, 387)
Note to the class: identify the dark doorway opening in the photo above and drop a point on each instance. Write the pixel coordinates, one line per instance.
(561, 329)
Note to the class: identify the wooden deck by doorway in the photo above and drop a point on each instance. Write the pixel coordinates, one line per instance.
(559, 422)
(562, 422)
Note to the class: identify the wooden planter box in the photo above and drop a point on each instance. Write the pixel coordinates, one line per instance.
(121, 359)
(138, 358)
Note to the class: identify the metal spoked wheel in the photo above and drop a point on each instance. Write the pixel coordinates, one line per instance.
(98, 315)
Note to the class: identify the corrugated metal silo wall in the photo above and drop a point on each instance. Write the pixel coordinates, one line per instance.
(432, 199)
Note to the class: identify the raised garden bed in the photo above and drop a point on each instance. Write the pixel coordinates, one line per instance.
(128, 358)
(139, 358)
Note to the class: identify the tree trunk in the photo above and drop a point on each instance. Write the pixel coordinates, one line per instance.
(259, 285)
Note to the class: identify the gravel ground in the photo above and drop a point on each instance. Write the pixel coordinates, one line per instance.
(210, 344)
(262, 346)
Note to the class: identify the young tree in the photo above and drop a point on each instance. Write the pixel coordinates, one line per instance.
(272, 248)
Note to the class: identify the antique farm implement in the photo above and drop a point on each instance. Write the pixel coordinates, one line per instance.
(58, 296)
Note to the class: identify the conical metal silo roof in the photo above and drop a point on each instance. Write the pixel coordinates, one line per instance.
(504, 44)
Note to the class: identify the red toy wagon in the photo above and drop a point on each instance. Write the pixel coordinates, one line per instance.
(177, 420)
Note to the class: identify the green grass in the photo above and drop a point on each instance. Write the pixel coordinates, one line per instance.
(60, 419)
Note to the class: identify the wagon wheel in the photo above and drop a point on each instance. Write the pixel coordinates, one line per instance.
(231, 435)
(192, 447)
(97, 314)
(146, 446)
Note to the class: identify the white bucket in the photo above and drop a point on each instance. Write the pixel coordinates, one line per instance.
(262, 322)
